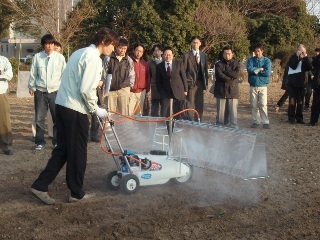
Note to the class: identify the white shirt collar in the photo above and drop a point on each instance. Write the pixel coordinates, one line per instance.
(194, 52)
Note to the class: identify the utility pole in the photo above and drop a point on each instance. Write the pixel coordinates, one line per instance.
(58, 22)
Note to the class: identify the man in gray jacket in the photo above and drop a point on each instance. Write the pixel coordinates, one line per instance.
(45, 77)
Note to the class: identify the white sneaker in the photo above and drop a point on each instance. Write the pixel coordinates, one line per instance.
(276, 108)
(43, 196)
(86, 196)
(39, 147)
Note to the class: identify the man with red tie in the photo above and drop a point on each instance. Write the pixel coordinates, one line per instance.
(171, 82)
(196, 67)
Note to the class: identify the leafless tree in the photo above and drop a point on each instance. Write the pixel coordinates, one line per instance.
(313, 7)
(250, 7)
(220, 25)
(54, 16)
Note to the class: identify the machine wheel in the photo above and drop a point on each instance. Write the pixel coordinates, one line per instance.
(147, 162)
(184, 179)
(129, 183)
(113, 181)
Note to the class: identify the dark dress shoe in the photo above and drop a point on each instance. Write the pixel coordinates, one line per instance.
(266, 126)
(8, 152)
(300, 122)
(255, 125)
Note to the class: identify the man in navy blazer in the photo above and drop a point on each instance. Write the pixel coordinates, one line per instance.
(171, 82)
(196, 67)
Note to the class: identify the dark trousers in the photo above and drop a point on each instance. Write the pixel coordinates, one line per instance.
(156, 107)
(308, 96)
(43, 101)
(315, 108)
(166, 107)
(196, 99)
(283, 99)
(296, 96)
(94, 129)
(72, 139)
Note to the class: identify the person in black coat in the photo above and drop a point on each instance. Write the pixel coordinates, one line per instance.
(315, 108)
(285, 95)
(299, 65)
(226, 88)
(171, 82)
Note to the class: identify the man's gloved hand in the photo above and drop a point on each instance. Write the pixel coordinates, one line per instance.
(101, 112)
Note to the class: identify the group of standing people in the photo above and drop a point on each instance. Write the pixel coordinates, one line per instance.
(226, 87)
(301, 76)
(69, 91)
(129, 79)
(124, 80)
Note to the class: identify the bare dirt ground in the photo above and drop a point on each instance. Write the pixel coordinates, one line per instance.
(211, 206)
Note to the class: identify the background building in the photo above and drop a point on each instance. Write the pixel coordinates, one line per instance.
(16, 42)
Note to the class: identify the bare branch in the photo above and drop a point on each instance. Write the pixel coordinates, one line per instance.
(30, 16)
(220, 25)
(250, 7)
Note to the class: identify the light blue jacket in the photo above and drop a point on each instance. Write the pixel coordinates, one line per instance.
(6, 73)
(80, 80)
(255, 78)
(46, 71)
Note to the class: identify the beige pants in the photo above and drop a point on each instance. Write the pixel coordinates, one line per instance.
(118, 101)
(5, 123)
(142, 97)
(258, 99)
(134, 101)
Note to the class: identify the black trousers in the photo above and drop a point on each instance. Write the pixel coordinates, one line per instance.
(296, 96)
(308, 96)
(315, 108)
(156, 107)
(283, 99)
(166, 107)
(196, 98)
(94, 129)
(72, 140)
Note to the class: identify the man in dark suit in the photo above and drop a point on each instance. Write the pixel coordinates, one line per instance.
(171, 82)
(196, 67)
